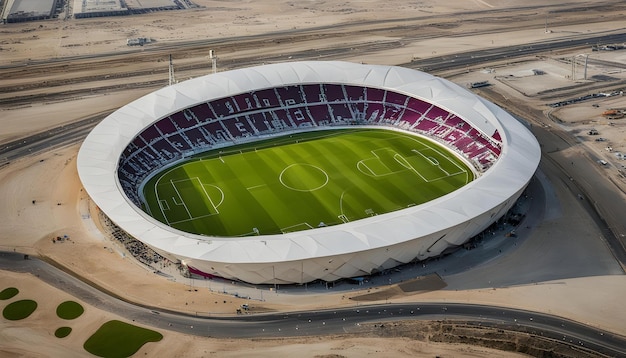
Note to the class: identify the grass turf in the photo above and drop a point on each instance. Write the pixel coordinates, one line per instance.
(70, 310)
(301, 181)
(8, 293)
(18, 310)
(119, 339)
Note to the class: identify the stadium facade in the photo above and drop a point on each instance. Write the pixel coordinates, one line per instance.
(216, 111)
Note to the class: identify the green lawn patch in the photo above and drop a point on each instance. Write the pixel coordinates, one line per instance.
(70, 310)
(62, 332)
(303, 181)
(8, 293)
(19, 309)
(119, 339)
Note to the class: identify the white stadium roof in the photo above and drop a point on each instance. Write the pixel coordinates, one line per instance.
(327, 253)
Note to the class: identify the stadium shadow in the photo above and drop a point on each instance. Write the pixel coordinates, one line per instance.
(427, 283)
(560, 237)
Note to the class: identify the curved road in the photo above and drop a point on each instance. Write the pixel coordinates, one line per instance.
(310, 323)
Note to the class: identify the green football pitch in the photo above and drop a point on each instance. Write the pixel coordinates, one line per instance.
(302, 181)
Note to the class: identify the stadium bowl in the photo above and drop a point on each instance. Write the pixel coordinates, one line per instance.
(352, 249)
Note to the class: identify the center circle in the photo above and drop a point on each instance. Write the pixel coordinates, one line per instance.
(303, 177)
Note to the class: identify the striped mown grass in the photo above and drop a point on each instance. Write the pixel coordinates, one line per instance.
(302, 181)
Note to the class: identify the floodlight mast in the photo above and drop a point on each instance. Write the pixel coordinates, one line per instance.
(213, 59)
(574, 64)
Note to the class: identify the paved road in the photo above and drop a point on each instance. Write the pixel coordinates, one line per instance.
(315, 323)
(77, 131)
(44, 141)
(471, 58)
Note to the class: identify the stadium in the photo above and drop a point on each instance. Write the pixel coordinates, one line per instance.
(215, 113)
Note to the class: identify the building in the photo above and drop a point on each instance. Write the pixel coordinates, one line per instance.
(141, 138)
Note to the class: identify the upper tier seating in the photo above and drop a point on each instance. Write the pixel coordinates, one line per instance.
(227, 120)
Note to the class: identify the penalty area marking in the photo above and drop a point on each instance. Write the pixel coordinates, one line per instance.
(361, 166)
(181, 201)
(305, 225)
(221, 194)
(436, 163)
(432, 160)
(164, 205)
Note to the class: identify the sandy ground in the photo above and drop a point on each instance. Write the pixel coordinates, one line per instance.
(33, 337)
(61, 208)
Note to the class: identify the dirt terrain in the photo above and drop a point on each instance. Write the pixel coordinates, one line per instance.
(51, 74)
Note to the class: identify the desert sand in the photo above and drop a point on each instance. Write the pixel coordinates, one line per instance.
(61, 207)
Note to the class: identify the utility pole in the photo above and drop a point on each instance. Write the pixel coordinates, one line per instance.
(575, 63)
(171, 68)
(213, 59)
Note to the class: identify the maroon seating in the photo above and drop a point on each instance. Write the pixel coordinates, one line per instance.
(164, 148)
(396, 98)
(216, 132)
(374, 112)
(454, 121)
(150, 134)
(334, 93)
(197, 139)
(222, 107)
(278, 109)
(290, 96)
(440, 131)
(426, 125)
(245, 102)
(300, 117)
(313, 93)
(266, 98)
(259, 121)
(354, 93)
(463, 142)
(278, 120)
(436, 112)
(340, 112)
(375, 94)
(393, 113)
(202, 113)
(319, 113)
(179, 142)
(165, 126)
(238, 127)
(418, 106)
(185, 119)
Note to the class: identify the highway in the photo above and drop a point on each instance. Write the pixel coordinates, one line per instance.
(510, 53)
(76, 131)
(323, 322)
(44, 141)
